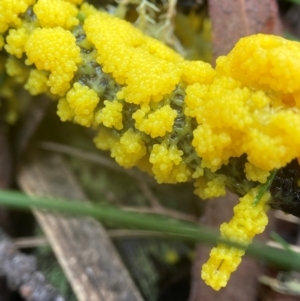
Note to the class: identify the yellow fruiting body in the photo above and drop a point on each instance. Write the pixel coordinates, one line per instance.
(265, 62)
(82, 101)
(15, 69)
(255, 174)
(54, 50)
(74, 1)
(129, 150)
(10, 11)
(207, 189)
(156, 124)
(164, 161)
(178, 120)
(248, 221)
(148, 68)
(52, 13)
(1, 41)
(37, 82)
(16, 41)
(110, 115)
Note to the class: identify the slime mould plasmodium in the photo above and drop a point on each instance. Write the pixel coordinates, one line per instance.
(178, 120)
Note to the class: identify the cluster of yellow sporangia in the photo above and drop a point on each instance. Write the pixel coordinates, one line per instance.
(248, 221)
(178, 120)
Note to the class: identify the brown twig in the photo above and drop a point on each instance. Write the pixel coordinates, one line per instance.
(28, 124)
(150, 196)
(163, 211)
(125, 234)
(95, 158)
(143, 181)
(30, 242)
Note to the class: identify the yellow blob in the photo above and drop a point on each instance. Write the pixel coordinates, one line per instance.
(129, 150)
(74, 1)
(147, 67)
(1, 41)
(105, 139)
(248, 221)
(255, 174)
(207, 189)
(64, 111)
(37, 82)
(156, 124)
(248, 105)
(165, 160)
(110, 115)
(16, 69)
(54, 50)
(87, 9)
(171, 257)
(197, 72)
(51, 13)
(82, 100)
(265, 62)
(10, 11)
(213, 145)
(16, 41)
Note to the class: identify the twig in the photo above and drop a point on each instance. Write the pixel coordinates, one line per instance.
(142, 180)
(163, 211)
(149, 195)
(157, 208)
(29, 123)
(286, 217)
(125, 234)
(275, 244)
(30, 242)
(20, 271)
(95, 158)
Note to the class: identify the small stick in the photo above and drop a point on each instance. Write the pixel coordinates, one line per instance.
(30, 242)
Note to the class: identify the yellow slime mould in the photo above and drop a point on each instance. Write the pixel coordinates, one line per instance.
(179, 120)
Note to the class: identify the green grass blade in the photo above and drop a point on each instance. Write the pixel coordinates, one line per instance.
(168, 226)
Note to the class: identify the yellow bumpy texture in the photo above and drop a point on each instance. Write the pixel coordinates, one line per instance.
(54, 50)
(10, 11)
(52, 13)
(248, 221)
(110, 115)
(156, 124)
(82, 101)
(178, 120)
(148, 68)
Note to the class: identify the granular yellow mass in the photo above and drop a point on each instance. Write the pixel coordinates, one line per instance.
(10, 11)
(148, 69)
(52, 13)
(54, 50)
(177, 120)
(82, 101)
(110, 115)
(248, 221)
(156, 124)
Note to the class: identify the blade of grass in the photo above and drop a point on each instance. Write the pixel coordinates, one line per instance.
(167, 226)
(265, 187)
(281, 241)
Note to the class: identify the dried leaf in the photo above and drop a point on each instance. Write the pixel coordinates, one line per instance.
(233, 19)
